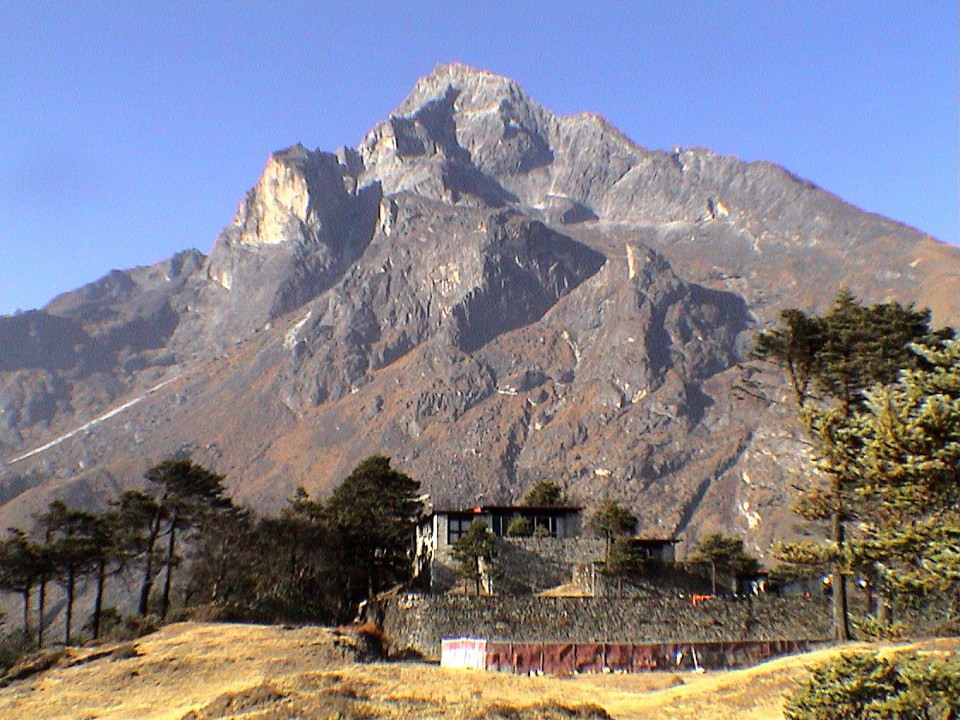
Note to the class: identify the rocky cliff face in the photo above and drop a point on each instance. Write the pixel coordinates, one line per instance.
(489, 293)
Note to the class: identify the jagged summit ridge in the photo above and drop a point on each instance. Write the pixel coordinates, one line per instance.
(475, 90)
(484, 290)
(466, 135)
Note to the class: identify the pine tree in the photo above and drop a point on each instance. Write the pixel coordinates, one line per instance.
(624, 561)
(184, 493)
(103, 533)
(724, 556)
(45, 523)
(190, 493)
(474, 553)
(22, 563)
(830, 361)
(372, 514)
(794, 347)
(141, 520)
(612, 520)
(544, 493)
(903, 445)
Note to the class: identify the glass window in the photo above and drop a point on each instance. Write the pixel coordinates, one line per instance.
(500, 523)
(548, 523)
(457, 528)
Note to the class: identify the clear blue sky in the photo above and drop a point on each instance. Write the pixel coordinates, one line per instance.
(129, 131)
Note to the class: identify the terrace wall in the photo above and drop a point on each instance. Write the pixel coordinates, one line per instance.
(420, 622)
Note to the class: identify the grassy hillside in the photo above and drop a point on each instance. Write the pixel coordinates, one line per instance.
(203, 671)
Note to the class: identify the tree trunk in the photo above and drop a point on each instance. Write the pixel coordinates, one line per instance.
(147, 585)
(42, 600)
(713, 577)
(841, 615)
(42, 603)
(165, 603)
(26, 610)
(69, 619)
(372, 578)
(292, 574)
(98, 601)
(221, 576)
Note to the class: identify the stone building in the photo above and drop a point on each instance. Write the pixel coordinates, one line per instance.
(438, 531)
(553, 552)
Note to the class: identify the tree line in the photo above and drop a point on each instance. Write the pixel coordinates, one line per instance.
(189, 545)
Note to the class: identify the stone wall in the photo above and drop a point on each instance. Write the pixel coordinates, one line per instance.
(532, 565)
(528, 565)
(420, 622)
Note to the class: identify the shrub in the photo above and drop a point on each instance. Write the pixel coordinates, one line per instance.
(31, 663)
(866, 687)
(519, 527)
(372, 641)
(130, 627)
(541, 531)
(14, 646)
(874, 628)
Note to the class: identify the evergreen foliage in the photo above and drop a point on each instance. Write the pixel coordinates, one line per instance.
(22, 563)
(184, 495)
(475, 553)
(76, 543)
(373, 513)
(311, 562)
(519, 526)
(611, 520)
(831, 362)
(867, 687)
(720, 555)
(544, 493)
(834, 357)
(900, 454)
(625, 561)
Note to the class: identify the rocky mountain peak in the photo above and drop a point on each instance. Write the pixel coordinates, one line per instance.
(472, 90)
(486, 291)
(295, 197)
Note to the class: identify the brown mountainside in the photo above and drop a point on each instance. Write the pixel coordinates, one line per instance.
(483, 290)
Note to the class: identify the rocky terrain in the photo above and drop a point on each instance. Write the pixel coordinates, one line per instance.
(483, 290)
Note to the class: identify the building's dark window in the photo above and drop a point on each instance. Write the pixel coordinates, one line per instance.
(500, 524)
(457, 527)
(545, 524)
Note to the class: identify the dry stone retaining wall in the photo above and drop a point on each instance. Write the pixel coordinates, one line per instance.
(420, 622)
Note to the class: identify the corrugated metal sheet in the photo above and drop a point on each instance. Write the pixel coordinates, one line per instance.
(524, 658)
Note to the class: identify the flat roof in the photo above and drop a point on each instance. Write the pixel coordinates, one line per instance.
(480, 509)
(672, 541)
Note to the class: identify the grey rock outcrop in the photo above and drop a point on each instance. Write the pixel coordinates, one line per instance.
(484, 290)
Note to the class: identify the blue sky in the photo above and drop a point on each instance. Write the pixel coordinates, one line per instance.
(129, 131)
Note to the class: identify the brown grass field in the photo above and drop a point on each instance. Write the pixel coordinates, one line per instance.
(201, 671)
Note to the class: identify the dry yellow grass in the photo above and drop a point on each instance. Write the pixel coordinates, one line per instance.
(254, 672)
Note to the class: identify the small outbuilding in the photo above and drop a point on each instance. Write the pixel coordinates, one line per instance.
(661, 550)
